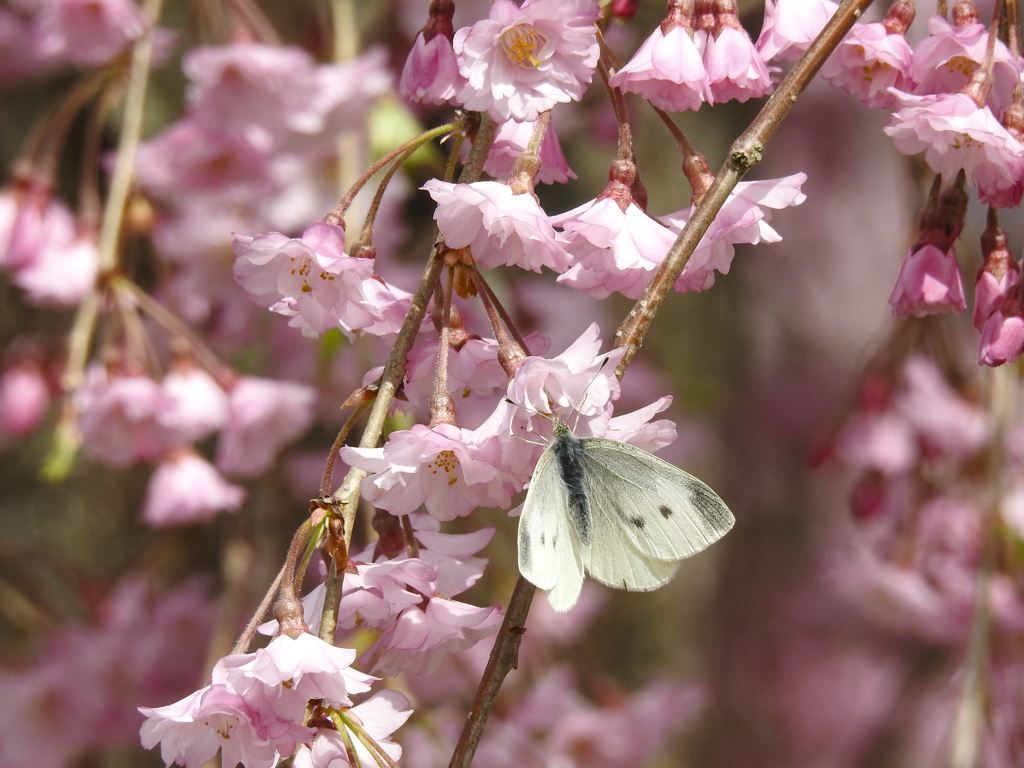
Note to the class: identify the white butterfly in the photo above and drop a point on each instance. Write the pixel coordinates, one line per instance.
(619, 512)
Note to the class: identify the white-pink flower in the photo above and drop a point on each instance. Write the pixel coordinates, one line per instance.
(422, 637)
(511, 141)
(612, 249)
(377, 592)
(743, 219)
(380, 716)
(522, 60)
(790, 26)
(945, 61)
(92, 32)
(498, 226)
(24, 398)
(929, 283)
(734, 66)
(956, 135)
(869, 62)
(312, 280)
(185, 488)
(264, 415)
(667, 70)
(431, 72)
(945, 421)
(443, 468)
(199, 406)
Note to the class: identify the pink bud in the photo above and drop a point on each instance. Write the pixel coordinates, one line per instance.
(928, 284)
(1002, 339)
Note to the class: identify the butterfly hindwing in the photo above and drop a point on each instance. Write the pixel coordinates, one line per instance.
(664, 512)
(549, 551)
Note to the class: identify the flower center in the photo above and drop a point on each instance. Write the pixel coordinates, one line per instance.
(446, 461)
(521, 44)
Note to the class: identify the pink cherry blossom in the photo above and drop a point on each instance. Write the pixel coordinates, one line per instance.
(423, 636)
(512, 139)
(929, 283)
(443, 468)
(186, 488)
(431, 72)
(380, 716)
(611, 248)
(377, 592)
(790, 26)
(63, 270)
(946, 423)
(24, 398)
(945, 61)
(869, 62)
(742, 219)
(878, 441)
(734, 66)
(264, 415)
(522, 60)
(92, 32)
(213, 718)
(39, 221)
(120, 417)
(200, 405)
(956, 135)
(451, 554)
(498, 226)
(668, 69)
(1002, 338)
(312, 280)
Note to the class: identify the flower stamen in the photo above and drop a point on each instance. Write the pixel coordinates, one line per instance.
(521, 43)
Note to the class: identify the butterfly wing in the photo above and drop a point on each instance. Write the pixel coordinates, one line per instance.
(664, 512)
(549, 550)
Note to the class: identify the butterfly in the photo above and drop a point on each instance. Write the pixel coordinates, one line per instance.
(616, 511)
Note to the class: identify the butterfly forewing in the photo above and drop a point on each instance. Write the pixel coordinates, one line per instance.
(664, 512)
(549, 553)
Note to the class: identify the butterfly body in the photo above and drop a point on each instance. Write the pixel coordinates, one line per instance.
(614, 511)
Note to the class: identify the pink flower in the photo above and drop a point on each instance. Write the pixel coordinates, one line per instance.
(929, 283)
(956, 135)
(444, 468)
(743, 219)
(869, 62)
(451, 554)
(191, 731)
(377, 592)
(511, 141)
(422, 637)
(946, 423)
(31, 221)
(431, 72)
(997, 276)
(790, 26)
(522, 60)
(380, 716)
(612, 248)
(878, 441)
(199, 405)
(185, 488)
(120, 417)
(668, 69)
(277, 681)
(312, 280)
(264, 415)
(735, 68)
(95, 31)
(498, 226)
(945, 61)
(24, 398)
(63, 271)
(1002, 338)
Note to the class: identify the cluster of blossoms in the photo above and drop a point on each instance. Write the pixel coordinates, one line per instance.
(238, 198)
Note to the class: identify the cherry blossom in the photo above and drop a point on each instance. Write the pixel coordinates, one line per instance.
(945, 60)
(63, 271)
(945, 422)
(264, 415)
(995, 278)
(312, 280)
(24, 398)
(423, 636)
(92, 32)
(377, 592)
(444, 468)
(512, 139)
(498, 226)
(869, 62)
(522, 60)
(199, 406)
(31, 221)
(185, 488)
(668, 68)
(734, 66)
(955, 134)
(790, 26)
(1002, 338)
(431, 72)
(380, 716)
(929, 283)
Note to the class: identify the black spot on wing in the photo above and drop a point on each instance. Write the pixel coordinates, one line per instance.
(637, 522)
(666, 512)
(543, 536)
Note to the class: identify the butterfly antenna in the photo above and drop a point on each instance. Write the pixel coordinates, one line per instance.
(531, 410)
(583, 400)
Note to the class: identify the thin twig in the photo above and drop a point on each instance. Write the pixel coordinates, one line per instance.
(746, 152)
